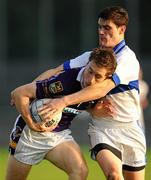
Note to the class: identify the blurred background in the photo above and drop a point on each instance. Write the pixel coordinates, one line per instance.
(36, 35)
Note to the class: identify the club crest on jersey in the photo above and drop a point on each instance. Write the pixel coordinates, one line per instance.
(55, 87)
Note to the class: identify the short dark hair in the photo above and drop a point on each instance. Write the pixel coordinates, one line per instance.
(105, 58)
(117, 14)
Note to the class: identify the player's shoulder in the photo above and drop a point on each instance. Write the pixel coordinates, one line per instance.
(71, 73)
(127, 54)
(78, 61)
(85, 54)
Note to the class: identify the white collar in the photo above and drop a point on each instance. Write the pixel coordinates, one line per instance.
(80, 75)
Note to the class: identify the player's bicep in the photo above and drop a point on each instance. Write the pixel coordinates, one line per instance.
(28, 90)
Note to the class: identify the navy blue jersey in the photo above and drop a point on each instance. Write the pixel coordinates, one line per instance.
(63, 84)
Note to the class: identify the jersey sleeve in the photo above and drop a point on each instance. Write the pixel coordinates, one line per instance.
(62, 84)
(42, 89)
(126, 71)
(79, 61)
(51, 87)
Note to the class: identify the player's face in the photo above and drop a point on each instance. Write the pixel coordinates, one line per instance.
(109, 34)
(93, 74)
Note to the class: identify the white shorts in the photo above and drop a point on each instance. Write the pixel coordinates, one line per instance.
(127, 141)
(33, 146)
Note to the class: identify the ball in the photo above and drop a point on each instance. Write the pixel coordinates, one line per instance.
(39, 103)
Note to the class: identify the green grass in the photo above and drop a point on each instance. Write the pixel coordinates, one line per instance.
(46, 171)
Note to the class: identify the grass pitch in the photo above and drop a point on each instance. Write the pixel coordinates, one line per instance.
(47, 171)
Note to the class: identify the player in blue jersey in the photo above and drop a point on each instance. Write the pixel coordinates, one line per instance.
(118, 144)
(57, 146)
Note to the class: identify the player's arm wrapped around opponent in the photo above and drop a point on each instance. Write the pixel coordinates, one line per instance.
(104, 107)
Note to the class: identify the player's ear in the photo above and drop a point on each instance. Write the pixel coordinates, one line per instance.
(122, 29)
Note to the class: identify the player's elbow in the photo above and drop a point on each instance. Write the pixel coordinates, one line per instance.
(15, 94)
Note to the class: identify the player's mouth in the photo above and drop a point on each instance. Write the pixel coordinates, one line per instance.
(102, 40)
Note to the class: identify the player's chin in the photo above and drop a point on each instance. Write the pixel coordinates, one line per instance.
(104, 45)
(103, 42)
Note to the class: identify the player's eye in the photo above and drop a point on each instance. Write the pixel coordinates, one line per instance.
(98, 77)
(90, 71)
(107, 28)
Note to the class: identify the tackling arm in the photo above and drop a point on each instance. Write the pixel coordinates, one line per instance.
(90, 93)
(84, 95)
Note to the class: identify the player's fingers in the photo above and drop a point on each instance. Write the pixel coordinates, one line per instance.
(106, 102)
(50, 115)
(47, 118)
(48, 104)
(47, 127)
(43, 108)
(47, 111)
(37, 128)
(111, 112)
(112, 109)
(41, 127)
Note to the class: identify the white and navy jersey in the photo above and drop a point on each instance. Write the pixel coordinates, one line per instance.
(126, 93)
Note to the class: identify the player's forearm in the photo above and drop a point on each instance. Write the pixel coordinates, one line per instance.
(86, 94)
(23, 109)
(21, 97)
(89, 93)
(22, 106)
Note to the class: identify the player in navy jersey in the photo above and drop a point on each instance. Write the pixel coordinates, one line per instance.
(57, 146)
(118, 157)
